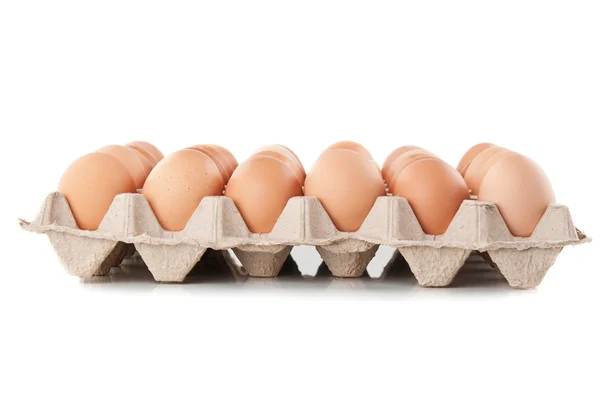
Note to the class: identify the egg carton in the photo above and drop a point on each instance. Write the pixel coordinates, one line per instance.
(217, 224)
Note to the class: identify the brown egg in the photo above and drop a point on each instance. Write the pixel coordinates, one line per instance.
(392, 156)
(147, 155)
(90, 184)
(177, 185)
(403, 161)
(481, 164)
(287, 152)
(129, 158)
(521, 191)
(216, 156)
(470, 155)
(347, 186)
(147, 149)
(231, 160)
(352, 146)
(435, 192)
(355, 147)
(260, 188)
(224, 159)
(145, 162)
(288, 160)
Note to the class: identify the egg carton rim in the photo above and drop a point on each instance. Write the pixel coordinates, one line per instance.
(147, 239)
(47, 220)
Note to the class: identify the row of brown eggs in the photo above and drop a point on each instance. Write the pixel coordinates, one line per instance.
(433, 188)
(515, 183)
(93, 180)
(345, 179)
(178, 183)
(262, 185)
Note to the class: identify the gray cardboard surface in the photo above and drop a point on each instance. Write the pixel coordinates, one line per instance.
(217, 224)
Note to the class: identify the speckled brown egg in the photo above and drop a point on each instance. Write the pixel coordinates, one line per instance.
(260, 187)
(130, 160)
(177, 185)
(434, 190)
(90, 184)
(220, 161)
(347, 185)
(521, 191)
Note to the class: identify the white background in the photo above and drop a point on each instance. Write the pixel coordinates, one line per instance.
(77, 75)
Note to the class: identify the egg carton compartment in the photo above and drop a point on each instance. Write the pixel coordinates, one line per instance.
(217, 224)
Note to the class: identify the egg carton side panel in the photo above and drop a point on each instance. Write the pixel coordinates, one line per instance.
(347, 264)
(492, 228)
(55, 210)
(554, 229)
(115, 220)
(80, 255)
(202, 225)
(380, 222)
(142, 220)
(262, 263)
(120, 252)
(434, 266)
(317, 223)
(231, 227)
(524, 269)
(465, 226)
(555, 225)
(170, 263)
(290, 224)
(402, 222)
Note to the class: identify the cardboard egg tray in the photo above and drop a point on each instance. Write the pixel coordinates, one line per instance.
(131, 225)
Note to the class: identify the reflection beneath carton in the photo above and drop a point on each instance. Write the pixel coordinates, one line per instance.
(214, 272)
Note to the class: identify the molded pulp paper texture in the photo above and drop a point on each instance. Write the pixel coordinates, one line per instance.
(217, 224)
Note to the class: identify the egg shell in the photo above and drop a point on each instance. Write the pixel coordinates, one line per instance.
(231, 160)
(147, 149)
(177, 185)
(285, 151)
(392, 156)
(91, 183)
(468, 157)
(481, 164)
(216, 156)
(521, 191)
(147, 155)
(144, 160)
(352, 146)
(130, 160)
(223, 159)
(290, 163)
(434, 190)
(260, 187)
(355, 147)
(403, 161)
(347, 186)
